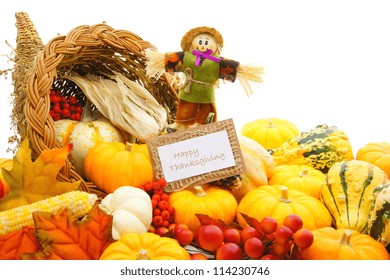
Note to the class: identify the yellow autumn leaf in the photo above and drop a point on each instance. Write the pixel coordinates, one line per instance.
(31, 181)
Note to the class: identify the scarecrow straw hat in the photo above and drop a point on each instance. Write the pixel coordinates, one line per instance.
(187, 39)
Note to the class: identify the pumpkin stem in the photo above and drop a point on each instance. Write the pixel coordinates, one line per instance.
(86, 114)
(304, 172)
(284, 198)
(270, 124)
(199, 191)
(143, 255)
(346, 237)
(128, 147)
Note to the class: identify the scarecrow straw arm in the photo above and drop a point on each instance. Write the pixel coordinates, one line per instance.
(247, 74)
(155, 63)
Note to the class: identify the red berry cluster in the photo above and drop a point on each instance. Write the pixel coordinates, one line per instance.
(264, 240)
(63, 107)
(163, 212)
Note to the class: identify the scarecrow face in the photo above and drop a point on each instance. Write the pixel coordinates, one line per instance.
(204, 42)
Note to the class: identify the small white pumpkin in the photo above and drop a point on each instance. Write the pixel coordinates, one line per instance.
(131, 209)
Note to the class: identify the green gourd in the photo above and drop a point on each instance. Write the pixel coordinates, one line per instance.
(320, 147)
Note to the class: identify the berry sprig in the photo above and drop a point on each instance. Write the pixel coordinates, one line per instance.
(63, 107)
(163, 211)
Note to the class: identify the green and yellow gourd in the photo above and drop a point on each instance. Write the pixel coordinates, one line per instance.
(379, 220)
(348, 193)
(320, 147)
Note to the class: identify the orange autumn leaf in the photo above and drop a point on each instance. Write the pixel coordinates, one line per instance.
(62, 237)
(14, 244)
(33, 181)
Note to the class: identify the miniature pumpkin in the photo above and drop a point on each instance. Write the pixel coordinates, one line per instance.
(131, 209)
(278, 201)
(379, 219)
(146, 246)
(259, 166)
(208, 200)
(377, 153)
(349, 193)
(343, 244)
(110, 165)
(270, 132)
(84, 135)
(7, 164)
(299, 177)
(320, 147)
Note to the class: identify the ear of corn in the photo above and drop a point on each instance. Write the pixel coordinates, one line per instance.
(78, 202)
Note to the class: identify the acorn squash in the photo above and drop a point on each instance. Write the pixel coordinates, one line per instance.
(320, 147)
(348, 193)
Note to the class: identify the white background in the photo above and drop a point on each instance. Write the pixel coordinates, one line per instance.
(325, 61)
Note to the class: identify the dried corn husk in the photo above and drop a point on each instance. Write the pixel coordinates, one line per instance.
(128, 105)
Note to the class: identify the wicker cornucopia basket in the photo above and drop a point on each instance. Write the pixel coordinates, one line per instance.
(99, 50)
(28, 45)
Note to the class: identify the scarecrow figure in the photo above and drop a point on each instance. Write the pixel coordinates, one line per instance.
(203, 67)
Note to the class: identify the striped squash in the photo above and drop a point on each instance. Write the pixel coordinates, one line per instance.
(379, 220)
(348, 193)
(320, 147)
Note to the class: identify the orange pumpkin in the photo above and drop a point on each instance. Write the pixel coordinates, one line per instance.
(278, 201)
(376, 153)
(271, 132)
(303, 178)
(7, 164)
(212, 201)
(343, 244)
(110, 165)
